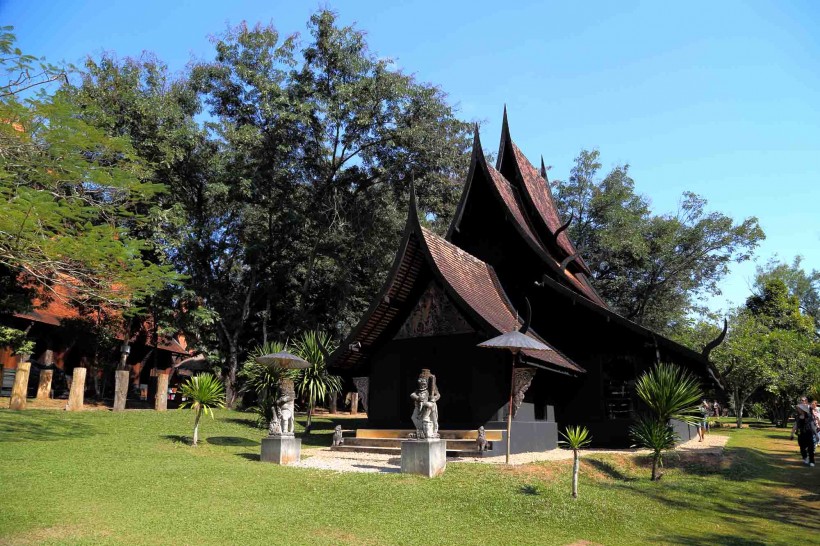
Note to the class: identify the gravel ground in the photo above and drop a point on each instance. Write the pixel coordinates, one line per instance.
(340, 461)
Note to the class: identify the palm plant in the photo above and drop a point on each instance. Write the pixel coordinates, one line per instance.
(656, 435)
(575, 438)
(670, 393)
(264, 380)
(314, 384)
(203, 392)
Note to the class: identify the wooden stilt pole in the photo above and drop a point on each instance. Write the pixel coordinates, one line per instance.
(161, 400)
(77, 393)
(18, 391)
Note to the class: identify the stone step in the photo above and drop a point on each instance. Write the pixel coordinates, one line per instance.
(445, 434)
(397, 450)
(396, 443)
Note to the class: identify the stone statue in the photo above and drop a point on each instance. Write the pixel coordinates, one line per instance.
(425, 411)
(283, 411)
(337, 436)
(481, 440)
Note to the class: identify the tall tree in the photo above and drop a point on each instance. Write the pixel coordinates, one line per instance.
(653, 269)
(71, 196)
(803, 285)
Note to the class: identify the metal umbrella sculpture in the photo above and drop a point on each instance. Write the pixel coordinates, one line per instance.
(283, 413)
(515, 342)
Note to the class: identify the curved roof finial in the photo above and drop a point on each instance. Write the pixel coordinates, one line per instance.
(527, 317)
(543, 169)
(715, 342)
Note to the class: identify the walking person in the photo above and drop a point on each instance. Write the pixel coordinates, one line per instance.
(815, 414)
(705, 410)
(805, 428)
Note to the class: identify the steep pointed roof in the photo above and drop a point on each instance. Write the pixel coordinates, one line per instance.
(469, 282)
(514, 207)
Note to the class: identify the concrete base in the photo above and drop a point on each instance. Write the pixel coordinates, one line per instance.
(424, 457)
(281, 449)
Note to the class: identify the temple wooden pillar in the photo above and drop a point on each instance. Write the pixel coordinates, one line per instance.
(77, 393)
(354, 403)
(18, 392)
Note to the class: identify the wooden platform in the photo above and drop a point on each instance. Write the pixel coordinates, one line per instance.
(460, 443)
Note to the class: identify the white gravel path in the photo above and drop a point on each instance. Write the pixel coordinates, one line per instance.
(342, 461)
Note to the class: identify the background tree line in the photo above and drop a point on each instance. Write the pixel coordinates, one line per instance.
(262, 193)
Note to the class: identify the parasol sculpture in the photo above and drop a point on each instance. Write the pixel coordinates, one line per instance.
(515, 342)
(284, 360)
(194, 363)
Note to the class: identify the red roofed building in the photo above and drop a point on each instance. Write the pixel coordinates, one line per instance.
(505, 246)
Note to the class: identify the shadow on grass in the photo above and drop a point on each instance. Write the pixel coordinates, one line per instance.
(716, 539)
(528, 490)
(18, 426)
(250, 423)
(231, 441)
(609, 469)
(249, 456)
(177, 439)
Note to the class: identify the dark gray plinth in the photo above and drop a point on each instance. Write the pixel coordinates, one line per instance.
(424, 457)
(281, 449)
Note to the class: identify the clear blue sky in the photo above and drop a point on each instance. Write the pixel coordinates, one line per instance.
(720, 98)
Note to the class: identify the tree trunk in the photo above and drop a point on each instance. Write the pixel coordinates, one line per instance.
(121, 379)
(354, 403)
(332, 400)
(196, 426)
(161, 400)
(575, 467)
(18, 391)
(75, 397)
(44, 388)
(655, 476)
(309, 419)
(230, 378)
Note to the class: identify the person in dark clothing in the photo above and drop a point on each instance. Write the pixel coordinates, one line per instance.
(804, 427)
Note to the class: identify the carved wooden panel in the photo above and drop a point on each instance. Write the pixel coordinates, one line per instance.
(433, 315)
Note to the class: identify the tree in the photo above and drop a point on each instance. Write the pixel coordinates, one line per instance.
(741, 361)
(71, 195)
(669, 392)
(801, 284)
(650, 268)
(204, 392)
(788, 344)
(575, 438)
(314, 384)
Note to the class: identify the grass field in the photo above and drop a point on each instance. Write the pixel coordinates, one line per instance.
(130, 478)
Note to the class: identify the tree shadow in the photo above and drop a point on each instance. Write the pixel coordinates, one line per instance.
(250, 423)
(716, 539)
(231, 441)
(39, 427)
(609, 469)
(178, 439)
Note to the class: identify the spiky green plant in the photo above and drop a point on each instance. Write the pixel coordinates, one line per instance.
(670, 392)
(314, 384)
(654, 434)
(264, 380)
(575, 438)
(204, 392)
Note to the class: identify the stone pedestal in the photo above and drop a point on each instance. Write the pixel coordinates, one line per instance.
(425, 457)
(281, 449)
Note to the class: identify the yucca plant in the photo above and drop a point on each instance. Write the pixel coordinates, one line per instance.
(204, 392)
(575, 438)
(670, 393)
(651, 433)
(264, 380)
(314, 384)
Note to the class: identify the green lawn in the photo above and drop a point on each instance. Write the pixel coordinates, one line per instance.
(102, 478)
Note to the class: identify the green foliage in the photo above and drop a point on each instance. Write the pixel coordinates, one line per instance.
(71, 196)
(802, 285)
(264, 380)
(656, 435)
(670, 392)
(315, 384)
(16, 340)
(651, 268)
(204, 393)
(575, 437)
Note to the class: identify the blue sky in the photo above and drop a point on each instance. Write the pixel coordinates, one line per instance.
(719, 98)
